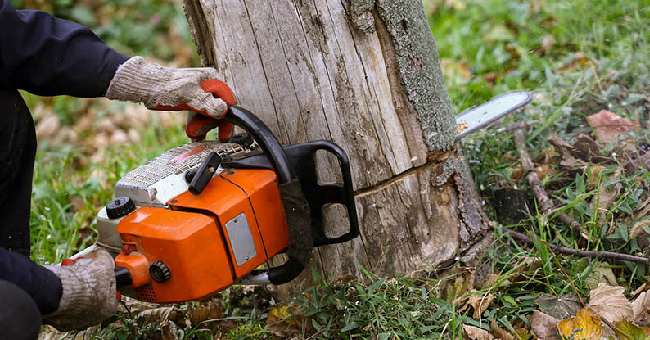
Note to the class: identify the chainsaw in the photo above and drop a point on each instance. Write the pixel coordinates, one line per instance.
(206, 215)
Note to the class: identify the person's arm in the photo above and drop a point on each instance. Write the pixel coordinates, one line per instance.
(48, 56)
(41, 284)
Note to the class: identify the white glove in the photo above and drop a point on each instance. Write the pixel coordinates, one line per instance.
(88, 292)
(167, 88)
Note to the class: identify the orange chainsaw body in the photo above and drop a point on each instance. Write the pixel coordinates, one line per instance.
(205, 215)
(207, 242)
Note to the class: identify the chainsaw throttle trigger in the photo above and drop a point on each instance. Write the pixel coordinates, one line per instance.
(204, 173)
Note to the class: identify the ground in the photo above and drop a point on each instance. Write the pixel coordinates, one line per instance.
(586, 62)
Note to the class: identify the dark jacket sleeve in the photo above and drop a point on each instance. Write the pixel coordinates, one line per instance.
(40, 283)
(48, 56)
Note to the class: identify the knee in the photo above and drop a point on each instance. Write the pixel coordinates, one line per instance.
(19, 316)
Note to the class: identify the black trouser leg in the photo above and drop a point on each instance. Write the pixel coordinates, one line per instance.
(17, 152)
(20, 319)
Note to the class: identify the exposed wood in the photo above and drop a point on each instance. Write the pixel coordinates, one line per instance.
(364, 74)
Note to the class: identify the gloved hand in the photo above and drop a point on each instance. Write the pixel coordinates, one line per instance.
(88, 292)
(176, 89)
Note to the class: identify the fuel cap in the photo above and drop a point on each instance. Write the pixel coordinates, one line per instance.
(120, 207)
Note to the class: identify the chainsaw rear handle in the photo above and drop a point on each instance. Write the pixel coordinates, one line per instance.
(302, 159)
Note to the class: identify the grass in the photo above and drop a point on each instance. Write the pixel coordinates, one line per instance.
(578, 56)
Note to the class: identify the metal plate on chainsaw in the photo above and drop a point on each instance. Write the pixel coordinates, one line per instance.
(159, 180)
(478, 117)
(241, 239)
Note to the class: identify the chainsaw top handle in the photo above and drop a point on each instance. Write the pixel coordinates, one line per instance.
(265, 138)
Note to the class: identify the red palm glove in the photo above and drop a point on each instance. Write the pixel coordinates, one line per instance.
(198, 125)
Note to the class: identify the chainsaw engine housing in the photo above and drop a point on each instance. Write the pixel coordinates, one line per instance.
(206, 242)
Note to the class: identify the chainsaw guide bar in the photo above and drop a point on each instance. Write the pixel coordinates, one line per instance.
(479, 117)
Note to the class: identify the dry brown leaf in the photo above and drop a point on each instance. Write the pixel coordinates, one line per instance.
(207, 311)
(610, 303)
(161, 315)
(543, 325)
(643, 209)
(638, 228)
(587, 149)
(578, 60)
(548, 42)
(640, 306)
(644, 287)
(584, 326)
(479, 303)
(606, 195)
(455, 70)
(522, 334)
(601, 272)
(119, 137)
(559, 307)
(499, 332)
(607, 124)
(48, 126)
(567, 159)
(283, 320)
(475, 333)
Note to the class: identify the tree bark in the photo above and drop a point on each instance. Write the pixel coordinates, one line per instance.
(364, 74)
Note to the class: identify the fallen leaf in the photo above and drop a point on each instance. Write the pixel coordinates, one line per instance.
(455, 70)
(579, 59)
(587, 149)
(207, 311)
(607, 124)
(567, 159)
(479, 303)
(610, 303)
(119, 137)
(77, 203)
(543, 325)
(475, 333)
(527, 264)
(547, 42)
(601, 272)
(498, 32)
(637, 229)
(560, 307)
(585, 325)
(644, 287)
(161, 315)
(643, 209)
(499, 332)
(456, 290)
(48, 126)
(606, 195)
(629, 331)
(640, 306)
(283, 320)
(522, 334)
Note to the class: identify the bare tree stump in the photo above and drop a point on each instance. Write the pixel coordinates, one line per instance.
(365, 75)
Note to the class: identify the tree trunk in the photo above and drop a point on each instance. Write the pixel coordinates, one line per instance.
(366, 75)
